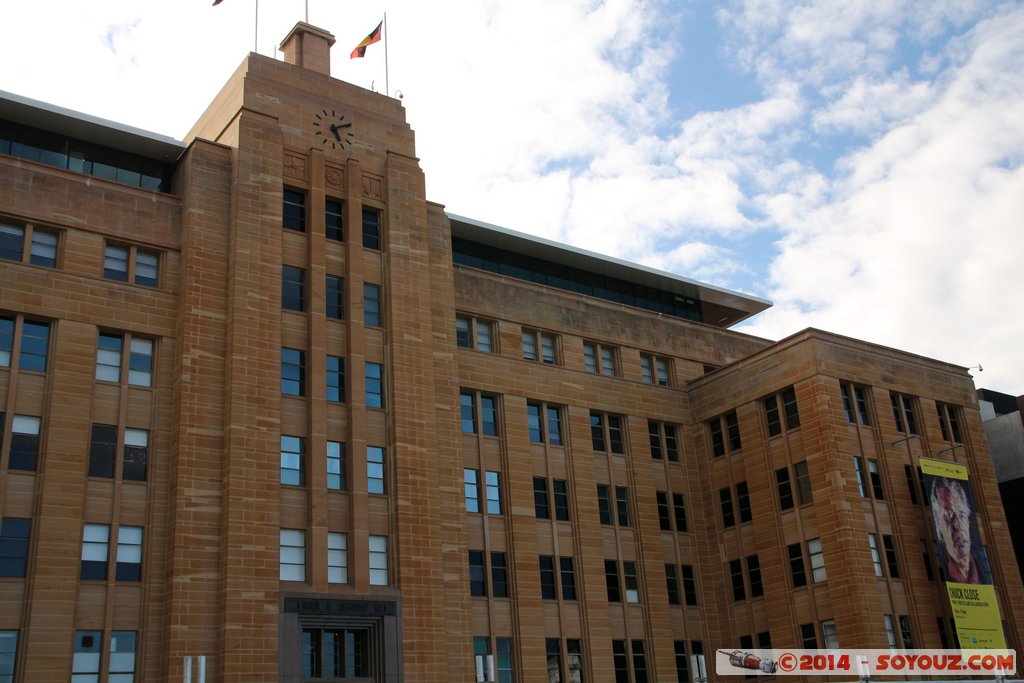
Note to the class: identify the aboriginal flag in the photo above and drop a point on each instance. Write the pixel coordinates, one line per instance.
(374, 37)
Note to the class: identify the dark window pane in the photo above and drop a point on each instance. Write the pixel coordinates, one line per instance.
(294, 210)
(371, 229)
(333, 219)
(102, 451)
(540, 498)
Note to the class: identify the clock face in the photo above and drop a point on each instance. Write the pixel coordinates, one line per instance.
(332, 130)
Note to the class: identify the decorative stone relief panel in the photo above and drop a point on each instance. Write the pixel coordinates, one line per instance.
(294, 166)
(335, 177)
(373, 187)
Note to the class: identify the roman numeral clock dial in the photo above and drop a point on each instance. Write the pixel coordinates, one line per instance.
(332, 130)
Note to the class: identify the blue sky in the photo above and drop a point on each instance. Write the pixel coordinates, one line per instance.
(858, 163)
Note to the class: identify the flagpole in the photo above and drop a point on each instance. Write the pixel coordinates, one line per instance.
(387, 85)
(307, 11)
(256, 30)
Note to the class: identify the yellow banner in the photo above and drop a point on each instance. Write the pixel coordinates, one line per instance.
(976, 614)
(941, 468)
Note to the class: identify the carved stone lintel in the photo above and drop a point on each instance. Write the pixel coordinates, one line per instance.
(294, 166)
(373, 187)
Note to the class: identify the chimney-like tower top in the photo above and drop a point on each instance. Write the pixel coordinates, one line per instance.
(309, 47)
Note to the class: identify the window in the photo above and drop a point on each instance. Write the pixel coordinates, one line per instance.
(95, 544)
(787, 398)
(682, 663)
(35, 342)
(754, 574)
(725, 501)
(487, 424)
(890, 556)
(371, 305)
(736, 572)
(14, 538)
(743, 502)
(547, 578)
(8, 655)
(540, 346)
(293, 211)
(499, 575)
(378, 560)
(654, 369)
(123, 263)
(336, 470)
(672, 584)
(293, 372)
(504, 650)
(541, 508)
(926, 555)
(629, 576)
(817, 558)
(473, 333)
(43, 250)
(908, 472)
(375, 469)
(471, 485)
(371, 228)
(335, 297)
(477, 574)
(903, 412)
(876, 558)
(662, 437)
(803, 482)
(374, 385)
(568, 578)
(855, 403)
(575, 660)
(689, 585)
(622, 505)
(544, 422)
(599, 358)
(808, 637)
(293, 555)
(335, 371)
(874, 477)
(6, 342)
(482, 659)
(949, 422)
(606, 432)
(553, 659)
(334, 654)
(337, 557)
(12, 242)
(679, 506)
(129, 554)
(492, 489)
(620, 661)
(796, 565)
(560, 489)
(829, 636)
(334, 219)
(293, 456)
(121, 666)
(604, 505)
(890, 631)
(639, 661)
(85, 663)
(876, 480)
(293, 289)
(140, 362)
(784, 487)
(611, 579)
(725, 434)
(24, 447)
(664, 521)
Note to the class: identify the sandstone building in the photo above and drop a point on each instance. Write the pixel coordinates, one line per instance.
(264, 403)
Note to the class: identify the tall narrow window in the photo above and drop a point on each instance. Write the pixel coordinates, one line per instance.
(560, 490)
(7, 342)
(477, 574)
(293, 555)
(541, 508)
(754, 575)
(136, 454)
(689, 585)
(378, 560)
(622, 505)
(95, 546)
(12, 242)
(335, 371)
(738, 588)
(725, 501)
(790, 413)
(876, 480)
(743, 502)
(796, 565)
(103, 451)
(129, 553)
(14, 538)
(949, 422)
(568, 575)
(375, 470)
(547, 578)
(334, 219)
(374, 385)
(817, 558)
(803, 482)
(471, 484)
(679, 506)
(121, 666)
(24, 445)
(540, 346)
(604, 505)
(672, 585)
(336, 466)
(371, 305)
(903, 412)
(85, 663)
(293, 456)
(43, 250)
(115, 263)
(503, 647)
(606, 432)
(371, 228)
(488, 415)
(553, 657)
(631, 581)
(35, 342)
(662, 437)
(554, 424)
(140, 362)
(784, 487)
(829, 635)
(293, 211)
(855, 403)
(492, 486)
(620, 661)
(890, 556)
(147, 264)
(474, 333)
(108, 358)
(599, 358)
(293, 288)
(664, 521)
(639, 661)
(337, 557)
(876, 558)
(293, 372)
(654, 369)
(499, 575)
(611, 579)
(335, 297)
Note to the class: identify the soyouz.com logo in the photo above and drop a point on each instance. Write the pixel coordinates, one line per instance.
(865, 662)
